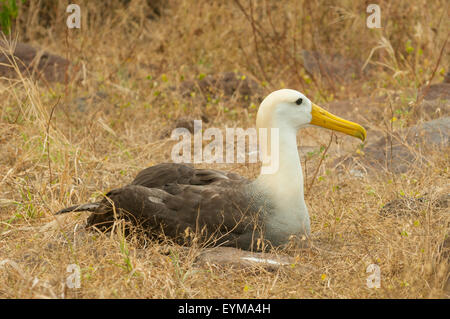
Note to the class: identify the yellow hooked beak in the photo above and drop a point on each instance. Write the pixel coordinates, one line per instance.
(322, 118)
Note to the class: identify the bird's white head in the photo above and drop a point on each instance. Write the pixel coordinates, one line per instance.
(285, 112)
(290, 109)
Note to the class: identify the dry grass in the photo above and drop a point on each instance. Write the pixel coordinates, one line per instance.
(53, 155)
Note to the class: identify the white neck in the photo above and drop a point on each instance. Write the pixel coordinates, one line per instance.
(285, 186)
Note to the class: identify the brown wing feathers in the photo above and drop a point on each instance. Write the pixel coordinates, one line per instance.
(175, 197)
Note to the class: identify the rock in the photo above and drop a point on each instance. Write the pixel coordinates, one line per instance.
(224, 85)
(447, 77)
(182, 122)
(445, 247)
(82, 103)
(432, 109)
(402, 150)
(237, 258)
(434, 132)
(154, 7)
(435, 102)
(439, 91)
(33, 258)
(360, 109)
(405, 206)
(335, 67)
(35, 62)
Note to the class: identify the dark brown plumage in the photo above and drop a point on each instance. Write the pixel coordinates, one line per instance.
(177, 200)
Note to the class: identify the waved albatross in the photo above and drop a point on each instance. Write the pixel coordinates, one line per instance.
(223, 208)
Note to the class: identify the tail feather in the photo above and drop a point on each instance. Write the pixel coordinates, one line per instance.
(89, 207)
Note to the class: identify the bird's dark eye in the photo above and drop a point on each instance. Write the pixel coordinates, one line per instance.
(299, 101)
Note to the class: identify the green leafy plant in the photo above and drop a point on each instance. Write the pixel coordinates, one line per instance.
(8, 12)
